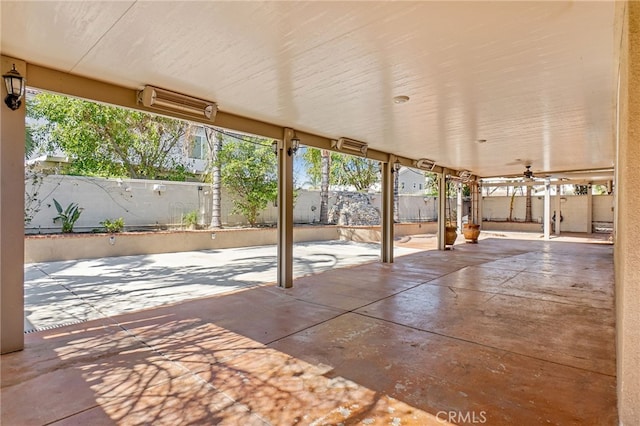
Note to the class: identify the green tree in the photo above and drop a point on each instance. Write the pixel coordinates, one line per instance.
(249, 171)
(29, 143)
(580, 189)
(431, 184)
(108, 141)
(361, 173)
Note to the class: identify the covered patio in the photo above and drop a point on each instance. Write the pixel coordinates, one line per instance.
(509, 331)
(506, 331)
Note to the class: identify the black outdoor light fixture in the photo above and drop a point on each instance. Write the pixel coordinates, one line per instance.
(396, 166)
(275, 146)
(295, 144)
(15, 88)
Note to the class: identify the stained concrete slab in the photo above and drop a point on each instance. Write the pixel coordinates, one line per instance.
(69, 292)
(416, 342)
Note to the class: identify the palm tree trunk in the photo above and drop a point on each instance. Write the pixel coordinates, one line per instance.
(216, 187)
(324, 186)
(396, 197)
(511, 204)
(528, 215)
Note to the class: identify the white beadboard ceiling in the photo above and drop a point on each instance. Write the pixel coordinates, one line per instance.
(537, 80)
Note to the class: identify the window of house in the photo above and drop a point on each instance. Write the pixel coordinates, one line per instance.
(420, 186)
(414, 185)
(401, 185)
(198, 147)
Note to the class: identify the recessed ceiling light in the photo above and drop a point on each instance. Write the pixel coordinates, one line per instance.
(481, 140)
(400, 99)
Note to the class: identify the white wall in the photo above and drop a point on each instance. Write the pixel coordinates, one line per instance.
(573, 208)
(140, 205)
(603, 208)
(133, 200)
(137, 202)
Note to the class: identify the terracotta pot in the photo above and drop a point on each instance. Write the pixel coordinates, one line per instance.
(471, 232)
(450, 235)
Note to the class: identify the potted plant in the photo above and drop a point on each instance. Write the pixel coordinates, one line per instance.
(451, 229)
(451, 234)
(471, 232)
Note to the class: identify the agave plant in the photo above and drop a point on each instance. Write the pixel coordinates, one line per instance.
(68, 216)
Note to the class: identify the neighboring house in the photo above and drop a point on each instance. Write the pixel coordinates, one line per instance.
(48, 163)
(191, 154)
(196, 152)
(411, 181)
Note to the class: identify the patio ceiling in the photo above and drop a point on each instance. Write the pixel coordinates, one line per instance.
(536, 80)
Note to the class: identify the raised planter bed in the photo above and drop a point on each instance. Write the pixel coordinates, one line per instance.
(54, 247)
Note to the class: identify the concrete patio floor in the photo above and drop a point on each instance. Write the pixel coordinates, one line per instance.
(69, 292)
(507, 331)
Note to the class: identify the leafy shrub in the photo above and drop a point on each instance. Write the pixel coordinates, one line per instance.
(113, 226)
(68, 216)
(190, 219)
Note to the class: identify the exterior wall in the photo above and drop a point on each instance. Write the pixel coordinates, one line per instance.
(135, 201)
(627, 227)
(512, 226)
(573, 208)
(140, 205)
(46, 248)
(603, 210)
(11, 215)
(411, 181)
(574, 211)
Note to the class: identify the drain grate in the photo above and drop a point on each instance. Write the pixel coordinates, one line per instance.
(52, 327)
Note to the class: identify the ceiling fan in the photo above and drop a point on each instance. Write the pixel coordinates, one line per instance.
(528, 174)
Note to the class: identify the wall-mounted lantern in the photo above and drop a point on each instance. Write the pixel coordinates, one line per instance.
(15, 84)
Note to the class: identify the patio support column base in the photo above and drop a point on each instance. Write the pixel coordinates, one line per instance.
(12, 218)
(442, 199)
(589, 208)
(285, 211)
(387, 211)
(547, 210)
(558, 221)
(459, 207)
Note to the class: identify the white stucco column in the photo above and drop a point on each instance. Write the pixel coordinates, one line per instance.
(12, 139)
(589, 209)
(478, 219)
(285, 211)
(558, 209)
(387, 211)
(459, 207)
(442, 210)
(547, 209)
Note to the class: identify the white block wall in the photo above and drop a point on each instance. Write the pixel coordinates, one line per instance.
(141, 204)
(573, 208)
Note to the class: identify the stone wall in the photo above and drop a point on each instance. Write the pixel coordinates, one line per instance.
(353, 208)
